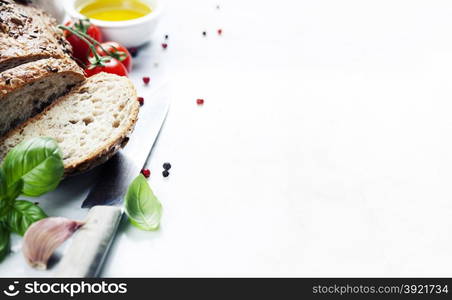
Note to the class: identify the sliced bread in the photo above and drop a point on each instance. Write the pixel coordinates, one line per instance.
(91, 123)
(28, 34)
(27, 89)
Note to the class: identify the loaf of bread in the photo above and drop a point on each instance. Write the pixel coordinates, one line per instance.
(43, 92)
(91, 123)
(27, 89)
(35, 66)
(28, 34)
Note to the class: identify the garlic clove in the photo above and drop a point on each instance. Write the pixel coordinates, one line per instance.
(44, 237)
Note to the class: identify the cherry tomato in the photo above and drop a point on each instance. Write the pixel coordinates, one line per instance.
(117, 51)
(108, 65)
(81, 49)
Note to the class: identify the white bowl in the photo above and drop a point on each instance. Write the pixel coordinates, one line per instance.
(132, 33)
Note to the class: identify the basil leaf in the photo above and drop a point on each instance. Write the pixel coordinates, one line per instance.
(14, 191)
(23, 214)
(5, 236)
(4, 201)
(8, 194)
(3, 186)
(38, 163)
(142, 206)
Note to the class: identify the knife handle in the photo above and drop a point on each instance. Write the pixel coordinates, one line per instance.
(87, 251)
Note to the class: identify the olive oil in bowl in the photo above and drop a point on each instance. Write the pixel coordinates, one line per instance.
(115, 10)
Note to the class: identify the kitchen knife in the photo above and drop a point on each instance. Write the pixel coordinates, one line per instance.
(89, 247)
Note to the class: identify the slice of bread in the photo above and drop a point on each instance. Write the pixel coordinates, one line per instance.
(91, 123)
(27, 89)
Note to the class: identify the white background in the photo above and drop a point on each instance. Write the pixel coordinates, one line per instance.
(323, 149)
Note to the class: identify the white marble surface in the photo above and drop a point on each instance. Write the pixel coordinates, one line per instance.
(323, 149)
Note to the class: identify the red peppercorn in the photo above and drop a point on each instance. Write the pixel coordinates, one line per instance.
(146, 173)
(200, 101)
(141, 100)
(146, 80)
(220, 31)
(164, 45)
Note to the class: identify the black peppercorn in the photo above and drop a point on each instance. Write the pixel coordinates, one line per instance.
(167, 166)
(165, 173)
(133, 52)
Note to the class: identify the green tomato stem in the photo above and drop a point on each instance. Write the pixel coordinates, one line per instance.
(92, 40)
(81, 36)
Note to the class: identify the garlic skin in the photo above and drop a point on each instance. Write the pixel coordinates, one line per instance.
(44, 237)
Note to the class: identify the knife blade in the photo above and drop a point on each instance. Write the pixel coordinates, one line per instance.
(89, 248)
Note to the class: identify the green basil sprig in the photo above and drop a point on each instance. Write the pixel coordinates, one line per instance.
(32, 168)
(38, 163)
(22, 215)
(5, 237)
(142, 206)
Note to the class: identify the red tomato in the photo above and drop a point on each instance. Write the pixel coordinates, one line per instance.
(81, 49)
(117, 51)
(111, 65)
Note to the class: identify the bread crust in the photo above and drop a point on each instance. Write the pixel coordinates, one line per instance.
(14, 79)
(28, 34)
(99, 155)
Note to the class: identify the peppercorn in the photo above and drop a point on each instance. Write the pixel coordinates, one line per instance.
(133, 52)
(204, 33)
(165, 173)
(164, 45)
(146, 173)
(146, 80)
(141, 100)
(166, 36)
(167, 166)
(220, 31)
(200, 101)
